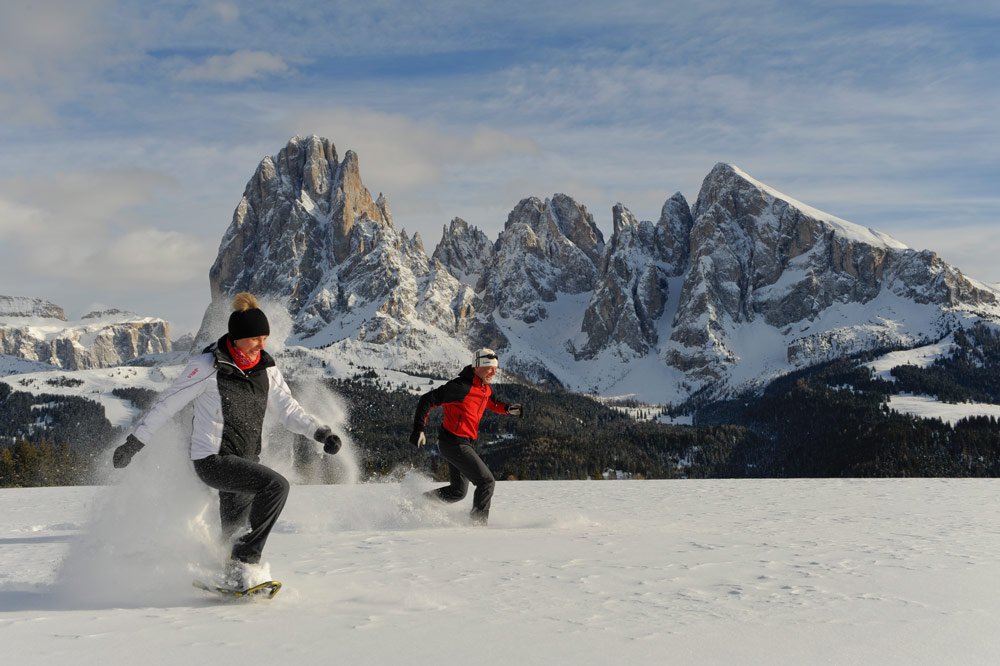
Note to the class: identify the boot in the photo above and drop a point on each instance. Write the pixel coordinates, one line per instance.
(236, 575)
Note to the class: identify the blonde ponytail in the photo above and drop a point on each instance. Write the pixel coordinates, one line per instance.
(244, 301)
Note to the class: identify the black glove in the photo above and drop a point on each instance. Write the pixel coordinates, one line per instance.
(517, 409)
(123, 454)
(330, 442)
(417, 438)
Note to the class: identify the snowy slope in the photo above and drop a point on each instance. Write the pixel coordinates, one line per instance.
(14, 365)
(854, 232)
(924, 406)
(920, 357)
(927, 407)
(97, 386)
(675, 572)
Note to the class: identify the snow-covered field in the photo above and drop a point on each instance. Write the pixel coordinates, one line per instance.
(927, 407)
(600, 572)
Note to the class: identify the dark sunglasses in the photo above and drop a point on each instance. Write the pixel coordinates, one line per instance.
(492, 357)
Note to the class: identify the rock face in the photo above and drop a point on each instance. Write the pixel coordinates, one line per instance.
(308, 235)
(633, 288)
(465, 252)
(302, 211)
(545, 248)
(37, 330)
(759, 255)
(747, 284)
(20, 307)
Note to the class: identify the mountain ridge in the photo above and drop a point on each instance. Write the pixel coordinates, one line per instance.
(739, 287)
(742, 286)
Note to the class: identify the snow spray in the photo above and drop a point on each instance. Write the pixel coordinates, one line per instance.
(305, 462)
(157, 527)
(149, 535)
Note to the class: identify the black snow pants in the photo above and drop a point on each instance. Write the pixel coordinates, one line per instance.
(465, 465)
(247, 490)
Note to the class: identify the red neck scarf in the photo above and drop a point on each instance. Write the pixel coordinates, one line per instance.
(242, 361)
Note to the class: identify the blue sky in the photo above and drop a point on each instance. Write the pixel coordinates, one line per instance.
(128, 133)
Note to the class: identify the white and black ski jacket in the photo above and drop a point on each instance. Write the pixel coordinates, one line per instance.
(229, 405)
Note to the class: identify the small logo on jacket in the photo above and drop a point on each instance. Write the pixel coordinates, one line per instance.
(192, 373)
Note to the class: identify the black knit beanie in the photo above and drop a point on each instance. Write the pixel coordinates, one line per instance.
(248, 324)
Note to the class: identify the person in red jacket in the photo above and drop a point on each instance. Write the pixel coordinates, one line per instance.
(464, 400)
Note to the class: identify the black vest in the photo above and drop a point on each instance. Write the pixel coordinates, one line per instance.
(244, 401)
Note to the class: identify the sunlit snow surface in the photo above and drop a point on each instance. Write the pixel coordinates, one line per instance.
(600, 572)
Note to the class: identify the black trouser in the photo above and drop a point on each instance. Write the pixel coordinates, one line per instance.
(465, 465)
(246, 490)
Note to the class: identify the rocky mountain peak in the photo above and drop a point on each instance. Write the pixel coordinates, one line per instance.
(724, 186)
(633, 287)
(546, 248)
(19, 306)
(674, 233)
(622, 217)
(111, 313)
(382, 203)
(308, 236)
(297, 218)
(760, 255)
(465, 251)
(577, 225)
(353, 197)
(557, 220)
(747, 280)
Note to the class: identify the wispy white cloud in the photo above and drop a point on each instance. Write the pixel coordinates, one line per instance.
(48, 51)
(232, 68)
(150, 257)
(881, 113)
(87, 232)
(53, 39)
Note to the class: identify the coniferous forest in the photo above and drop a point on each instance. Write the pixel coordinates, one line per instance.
(826, 421)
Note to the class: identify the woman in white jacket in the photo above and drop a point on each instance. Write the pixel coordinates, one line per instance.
(232, 383)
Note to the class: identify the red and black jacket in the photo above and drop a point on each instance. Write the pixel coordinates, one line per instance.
(464, 399)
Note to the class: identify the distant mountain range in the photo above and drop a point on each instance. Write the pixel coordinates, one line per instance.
(746, 289)
(745, 285)
(37, 330)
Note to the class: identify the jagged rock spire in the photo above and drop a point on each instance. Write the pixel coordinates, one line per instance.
(465, 251)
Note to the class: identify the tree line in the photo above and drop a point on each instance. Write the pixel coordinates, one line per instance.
(834, 420)
(563, 435)
(50, 440)
(26, 464)
(828, 420)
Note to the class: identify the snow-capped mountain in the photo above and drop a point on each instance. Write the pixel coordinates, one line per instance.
(465, 251)
(765, 262)
(37, 330)
(633, 291)
(546, 248)
(308, 236)
(745, 285)
(21, 307)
